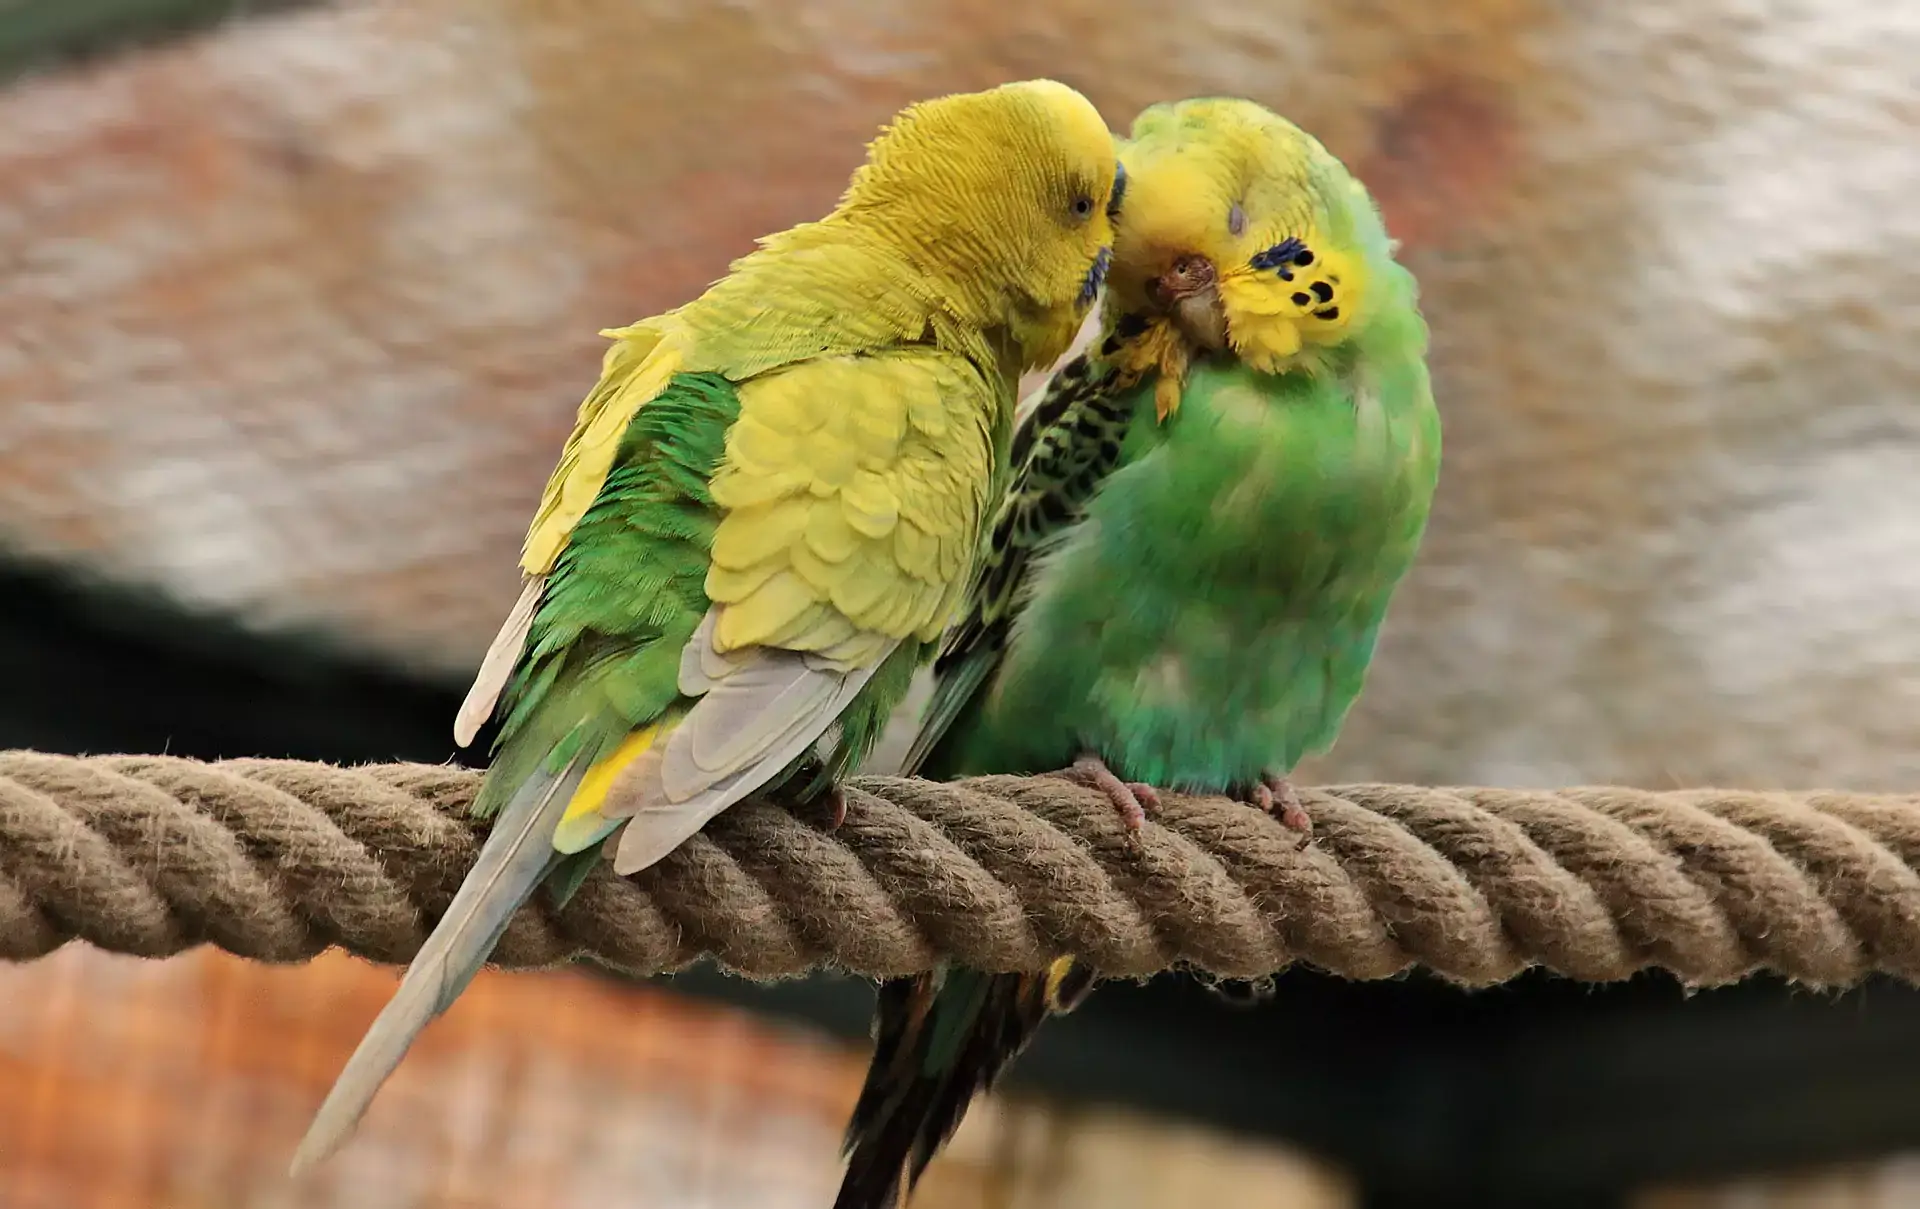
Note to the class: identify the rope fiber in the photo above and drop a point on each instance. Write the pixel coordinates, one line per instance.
(278, 860)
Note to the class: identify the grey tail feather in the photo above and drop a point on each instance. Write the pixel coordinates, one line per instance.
(517, 854)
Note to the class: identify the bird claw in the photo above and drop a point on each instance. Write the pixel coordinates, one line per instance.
(836, 797)
(1133, 801)
(817, 800)
(1276, 796)
(1286, 800)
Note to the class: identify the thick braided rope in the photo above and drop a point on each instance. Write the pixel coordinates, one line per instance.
(277, 860)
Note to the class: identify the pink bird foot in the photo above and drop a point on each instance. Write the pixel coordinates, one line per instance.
(1132, 800)
(1272, 794)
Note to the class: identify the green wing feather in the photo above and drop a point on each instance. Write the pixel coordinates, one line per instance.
(603, 654)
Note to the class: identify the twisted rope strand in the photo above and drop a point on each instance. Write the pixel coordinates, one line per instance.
(276, 860)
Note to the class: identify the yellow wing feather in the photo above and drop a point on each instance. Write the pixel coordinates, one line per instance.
(854, 491)
(583, 826)
(787, 303)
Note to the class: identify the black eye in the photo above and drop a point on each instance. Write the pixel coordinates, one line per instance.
(1119, 195)
(1082, 206)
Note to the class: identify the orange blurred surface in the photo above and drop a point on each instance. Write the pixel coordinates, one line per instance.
(187, 1083)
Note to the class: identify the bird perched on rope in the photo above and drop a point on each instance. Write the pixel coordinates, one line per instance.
(766, 515)
(1209, 514)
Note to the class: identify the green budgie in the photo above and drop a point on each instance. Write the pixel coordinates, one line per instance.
(1184, 583)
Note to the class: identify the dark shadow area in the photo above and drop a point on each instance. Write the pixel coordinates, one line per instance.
(92, 666)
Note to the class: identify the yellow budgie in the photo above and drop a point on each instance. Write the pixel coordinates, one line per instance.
(767, 512)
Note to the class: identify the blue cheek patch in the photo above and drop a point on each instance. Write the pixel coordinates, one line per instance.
(1283, 258)
(1096, 276)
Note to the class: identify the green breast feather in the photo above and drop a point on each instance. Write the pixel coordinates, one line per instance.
(1211, 611)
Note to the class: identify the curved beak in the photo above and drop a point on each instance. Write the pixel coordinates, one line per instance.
(1189, 292)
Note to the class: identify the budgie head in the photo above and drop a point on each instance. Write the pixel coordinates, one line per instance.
(1240, 231)
(1005, 201)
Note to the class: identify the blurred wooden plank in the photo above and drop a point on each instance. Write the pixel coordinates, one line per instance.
(153, 1085)
(135, 1085)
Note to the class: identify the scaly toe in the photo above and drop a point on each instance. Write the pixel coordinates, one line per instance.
(1146, 795)
(1286, 798)
(1129, 802)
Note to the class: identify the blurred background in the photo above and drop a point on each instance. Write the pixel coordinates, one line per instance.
(297, 302)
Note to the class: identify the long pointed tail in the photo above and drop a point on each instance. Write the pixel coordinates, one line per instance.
(939, 1040)
(516, 856)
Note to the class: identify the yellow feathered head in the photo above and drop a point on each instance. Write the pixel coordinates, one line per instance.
(1240, 231)
(1004, 199)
